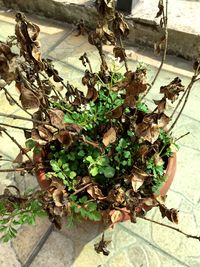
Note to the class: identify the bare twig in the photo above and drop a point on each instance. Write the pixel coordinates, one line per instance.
(182, 136)
(165, 20)
(16, 169)
(171, 227)
(81, 189)
(15, 141)
(185, 102)
(124, 55)
(13, 126)
(22, 118)
(6, 92)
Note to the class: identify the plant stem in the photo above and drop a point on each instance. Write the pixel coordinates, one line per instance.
(182, 136)
(171, 227)
(81, 189)
(16, 169)
(21, 118)
(13, 126)
(185, 102)
(123, 49)
(6, 92)
(165, 19)
(14, 141)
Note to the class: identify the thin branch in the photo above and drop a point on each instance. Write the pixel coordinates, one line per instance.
(81, 189)
(197, 79)
(14, 141)
(124, 55)
(16, 127)
(6, 92)
(165, 19)
(16, 169)
(22, 118)
(182, 136)
(173, 228)
(185, 102)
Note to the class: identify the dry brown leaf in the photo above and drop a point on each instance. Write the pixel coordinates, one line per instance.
(171, 214)
(45, 133)
(119, 53)
(117, 216)
(57, 118)
(138, 177)
(172, 90)
(161, 105)
(117, 112)
(19, 158)
(64, 137)
(109, 137)
(95, 192)
(161, 8)
(58, 197)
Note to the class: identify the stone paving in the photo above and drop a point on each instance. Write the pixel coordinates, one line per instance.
(133, 245)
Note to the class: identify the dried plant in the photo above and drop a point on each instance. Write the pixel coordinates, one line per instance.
(103, 152)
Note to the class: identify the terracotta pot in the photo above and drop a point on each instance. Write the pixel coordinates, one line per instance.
(169, 173)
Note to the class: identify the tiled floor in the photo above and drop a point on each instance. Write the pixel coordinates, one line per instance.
(133, 245)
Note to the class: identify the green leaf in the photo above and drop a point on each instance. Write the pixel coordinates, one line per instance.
(68, 119)
(89, 159)
(130, 133)
(94, 216)
(83, 199)
(94, 171)
(81, 153)
(91, 206)
(72, 175)
(55, 166)
(61, 175)
(127, 154)
(30, 143)
(109, 172)
(124, 162)
(73, 198)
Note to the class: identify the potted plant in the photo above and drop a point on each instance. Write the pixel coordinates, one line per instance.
(100, 156)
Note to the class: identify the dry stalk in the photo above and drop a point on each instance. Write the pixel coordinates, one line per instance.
(165, 20)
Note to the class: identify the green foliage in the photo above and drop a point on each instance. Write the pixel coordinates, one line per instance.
(82, 209)
(158, 174)
(18, 215)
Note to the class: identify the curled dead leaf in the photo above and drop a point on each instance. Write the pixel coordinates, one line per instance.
(58, 197)
(64, 137)
(116, 217)
(95, 192)
(173, 89)
(119, 53)
(57, 118)
(161, 8)
(109, 137)
(138, 177)
(171, 214)
(29, 100)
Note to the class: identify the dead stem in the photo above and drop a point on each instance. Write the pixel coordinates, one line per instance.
(171, 227)
(16, 127)
(16, 169)
(6, 92)
(185, 102)
(165, 20)
(81, 189)
(124, 55)
(182, 136)
(22, 118)
(14, 141)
